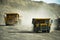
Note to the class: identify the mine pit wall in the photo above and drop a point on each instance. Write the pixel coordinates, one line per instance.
(25, 23)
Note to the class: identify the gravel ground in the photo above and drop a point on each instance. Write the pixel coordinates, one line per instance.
(6, 35)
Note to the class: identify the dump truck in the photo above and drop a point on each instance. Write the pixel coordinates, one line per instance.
(41, 24)
(11, 18)
(58, 24)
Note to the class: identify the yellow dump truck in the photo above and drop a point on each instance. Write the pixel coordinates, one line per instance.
(41, 24)
(11, 18)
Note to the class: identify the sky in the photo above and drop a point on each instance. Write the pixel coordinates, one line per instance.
(50, 1)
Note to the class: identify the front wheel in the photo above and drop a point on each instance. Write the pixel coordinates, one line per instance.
(36, 30)
(48, 31)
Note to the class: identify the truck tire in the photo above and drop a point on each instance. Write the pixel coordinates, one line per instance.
(35, 30)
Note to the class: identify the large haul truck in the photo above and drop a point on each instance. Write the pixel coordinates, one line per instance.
(11, 18)
(41, 24)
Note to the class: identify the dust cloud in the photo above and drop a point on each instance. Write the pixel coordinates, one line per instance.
(28, 11)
